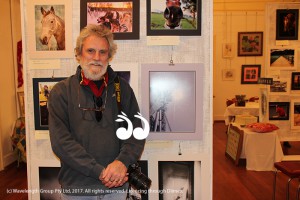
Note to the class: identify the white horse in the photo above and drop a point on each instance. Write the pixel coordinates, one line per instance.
(52, 25)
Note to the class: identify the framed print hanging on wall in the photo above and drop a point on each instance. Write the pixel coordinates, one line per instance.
(120, 16)
(283, 59)
(250, 74)
(287, 22)
(173, 17)
(250, 43)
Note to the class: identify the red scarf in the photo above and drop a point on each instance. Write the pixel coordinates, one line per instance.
(97, 92)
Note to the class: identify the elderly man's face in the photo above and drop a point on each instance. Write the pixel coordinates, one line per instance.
(94, 57)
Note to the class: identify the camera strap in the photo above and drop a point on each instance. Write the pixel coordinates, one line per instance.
(118, 93)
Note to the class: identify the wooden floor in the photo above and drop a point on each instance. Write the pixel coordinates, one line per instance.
(230, 182)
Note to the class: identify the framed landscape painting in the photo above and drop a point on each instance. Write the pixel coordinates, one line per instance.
(120, 16)
(283, 59)
(181, 18)
(287, 22)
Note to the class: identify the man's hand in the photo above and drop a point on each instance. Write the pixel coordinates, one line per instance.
(114, 175)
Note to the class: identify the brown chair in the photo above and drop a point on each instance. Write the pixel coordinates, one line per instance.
(290, 169)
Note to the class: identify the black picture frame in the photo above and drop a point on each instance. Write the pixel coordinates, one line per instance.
(295, 81)
(190, 24)
(287, 22)
(279, 110)
(250, 74)
(40, 99)
(134, 10)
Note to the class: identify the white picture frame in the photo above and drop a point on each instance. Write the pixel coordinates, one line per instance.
(280, 86)
(177, 93)
(48, 50)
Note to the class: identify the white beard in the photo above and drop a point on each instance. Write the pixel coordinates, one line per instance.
(94, 76)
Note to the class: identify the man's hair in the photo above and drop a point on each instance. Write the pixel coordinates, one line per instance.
(99, 31)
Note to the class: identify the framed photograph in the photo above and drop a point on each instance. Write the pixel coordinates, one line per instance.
(184, 176)
(250, 43)
(172, 100)
(295, 114)
(181, 18)
(41, 90)
(283, 59)
(228, 74)
(50, 28)
(250, 74)
(234, 143)
(227, 50)
(21, 101)
(122, 17)
(287, 22)
(280, 87)
(279, 110)
(295, 81)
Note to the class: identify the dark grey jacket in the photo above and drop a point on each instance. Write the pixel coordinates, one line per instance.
(83, 145)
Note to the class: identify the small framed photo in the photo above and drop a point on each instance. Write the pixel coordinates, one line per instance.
(50, 28)
(295, 114)
(250, 43)
(41, 91)
(287, 22)
(21, 101)
(120, 16)
(279, 110)
(280, 87)
(295, 81)
(227, 50)
(283, 59)
(181, 18)
(228, 74)
(250, 74)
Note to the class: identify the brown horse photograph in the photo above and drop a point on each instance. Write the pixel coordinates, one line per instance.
(50, 27)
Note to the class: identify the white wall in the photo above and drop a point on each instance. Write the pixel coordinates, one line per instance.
(192, 49)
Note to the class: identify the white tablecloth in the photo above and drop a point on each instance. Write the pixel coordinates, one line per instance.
(261, 150)
(251, 108)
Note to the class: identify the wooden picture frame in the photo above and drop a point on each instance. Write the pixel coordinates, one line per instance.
(234, 143)
(45, 45)
(279, 110)
(250, 43)
(283, 59)
(295, 81)
(295, 114)
(250, 74)
(287, 22)
(21, 101)
(163, 95)
(127, 13)
(157, 24)
(41, 90)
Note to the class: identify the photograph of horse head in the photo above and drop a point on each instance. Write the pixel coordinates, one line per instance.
(50, 27)
(287, 24)
(173, 17)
